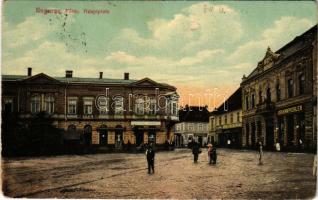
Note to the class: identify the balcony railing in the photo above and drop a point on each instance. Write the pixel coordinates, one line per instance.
(265, 107)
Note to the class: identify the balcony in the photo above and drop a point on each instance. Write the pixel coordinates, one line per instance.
(265, 107)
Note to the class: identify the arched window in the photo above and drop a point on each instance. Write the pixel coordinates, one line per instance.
(49, 104)
(35, 104)
(71, 129)
(87, 134)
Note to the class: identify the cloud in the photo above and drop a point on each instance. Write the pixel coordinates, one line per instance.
(280, 33)
(189, 31)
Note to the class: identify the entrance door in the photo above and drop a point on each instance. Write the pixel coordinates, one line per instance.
(103, 135)
(253, 134)
(269, 134)
(87, 135)
(139, 137)
(118, 137)
(290, 129)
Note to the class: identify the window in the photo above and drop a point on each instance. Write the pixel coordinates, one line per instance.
(152, 106)
(35, 104)
(301, 84)
(102, 104)
(212, 123)
(277, 92)
(8, 105)
(253, 100)
(225, 119)
(238, 116)
(290, 87)
(231, 117)
(190, 127)
(119, 105)
(246, 102)
(88, 107)
(268, 94)
(49, 104)
(260, 96)
(174, 108)
(72, 106)
(139, 106)
(200, 126)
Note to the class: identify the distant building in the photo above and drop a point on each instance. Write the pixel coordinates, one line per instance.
(193, 125)
(225, 123)
(280, 96)
(97, 111)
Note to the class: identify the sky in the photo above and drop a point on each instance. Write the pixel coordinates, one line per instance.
(201, 48)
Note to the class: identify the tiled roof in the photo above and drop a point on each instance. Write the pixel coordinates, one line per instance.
(78, 80)
(286, 50)
(194, 114)
(234, 102)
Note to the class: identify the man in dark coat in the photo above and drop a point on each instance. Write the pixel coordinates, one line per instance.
(213, 154)
(195, 151)
(150, 153)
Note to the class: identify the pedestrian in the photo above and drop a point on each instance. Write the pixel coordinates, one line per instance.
(195, 151)
(150, 154)
(260, 150)
(277, 145)
(209, 153)
(213, 154)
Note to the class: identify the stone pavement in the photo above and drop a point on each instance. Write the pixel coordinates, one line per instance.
(236, 175)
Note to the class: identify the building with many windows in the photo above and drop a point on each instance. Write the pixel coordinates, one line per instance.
(280, 96)
(225, 122)
(96, 111)
(193, 125)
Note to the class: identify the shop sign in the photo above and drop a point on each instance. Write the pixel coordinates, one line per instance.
(290, 110)
(145, 123)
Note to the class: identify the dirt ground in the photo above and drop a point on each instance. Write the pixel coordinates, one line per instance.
(236, 175)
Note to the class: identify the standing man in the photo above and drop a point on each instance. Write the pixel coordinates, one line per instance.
(195, 151)
(150, 153)
(260, 150)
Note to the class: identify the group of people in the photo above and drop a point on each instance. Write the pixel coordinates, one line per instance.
(211, 152)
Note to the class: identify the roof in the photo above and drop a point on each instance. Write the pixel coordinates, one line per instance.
(288, 49)
(234, 102)
(78, 80)
(194, 114)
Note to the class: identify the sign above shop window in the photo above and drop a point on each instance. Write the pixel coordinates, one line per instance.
(145, 123)
(290, 110)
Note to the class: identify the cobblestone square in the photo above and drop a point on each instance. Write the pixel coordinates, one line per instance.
(236, 175)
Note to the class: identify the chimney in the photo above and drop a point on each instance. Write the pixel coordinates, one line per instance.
(68, 74)
(126, 76)
(100, 75)
(29, 71)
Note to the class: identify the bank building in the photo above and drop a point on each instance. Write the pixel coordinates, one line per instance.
(103, 112)
(280, 96)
